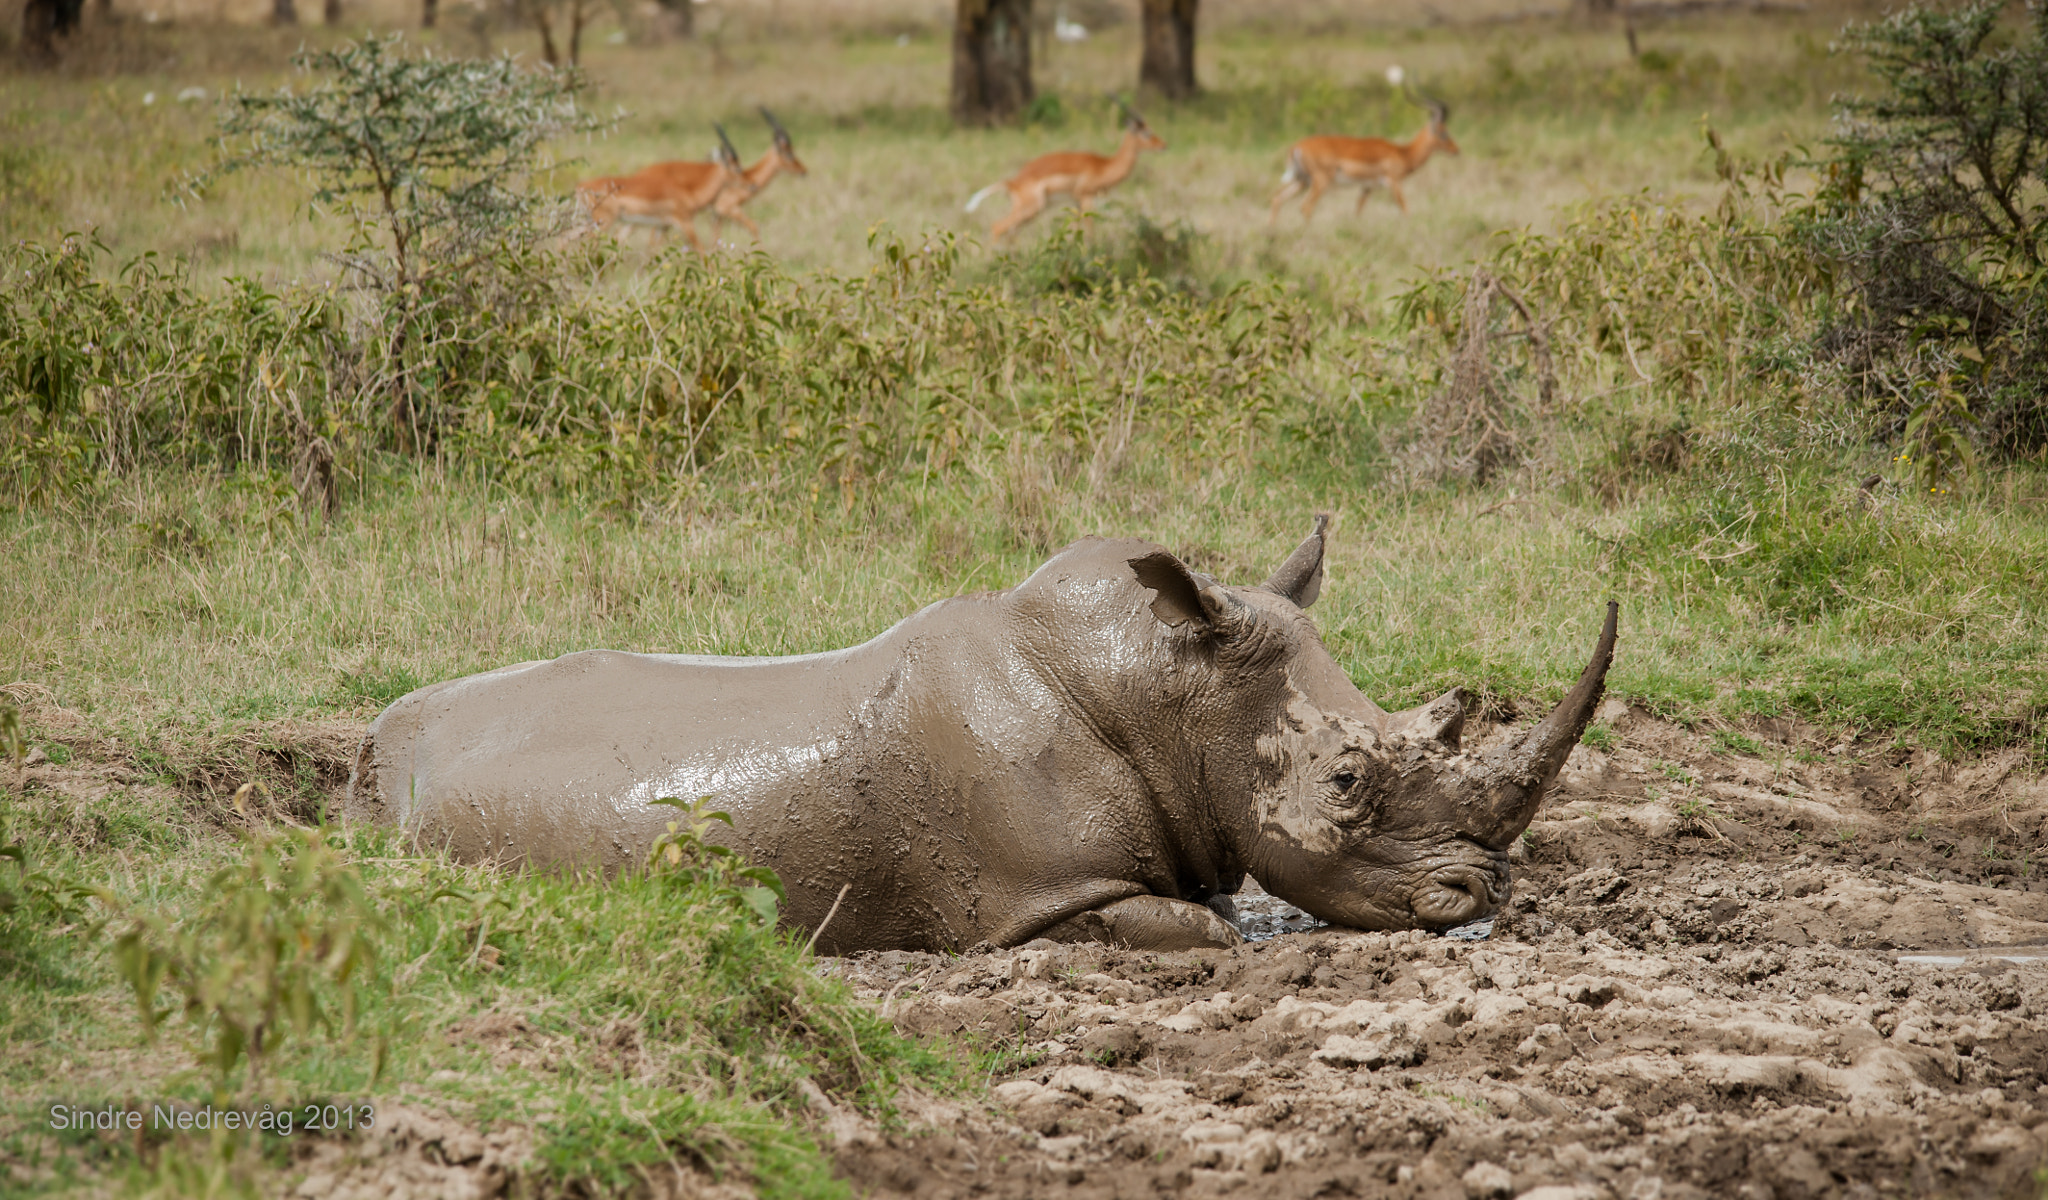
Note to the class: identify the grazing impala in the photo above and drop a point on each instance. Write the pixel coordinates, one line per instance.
(1083, 174)
(779, 158)
(1317, 162)
(666, 195)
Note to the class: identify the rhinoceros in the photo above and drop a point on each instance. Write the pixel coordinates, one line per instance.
(1095, 754)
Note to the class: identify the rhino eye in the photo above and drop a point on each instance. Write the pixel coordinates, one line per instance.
(1343, 780)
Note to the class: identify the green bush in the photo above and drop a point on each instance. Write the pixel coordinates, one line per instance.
(284, 941)
(709, 363)
(1932, 215)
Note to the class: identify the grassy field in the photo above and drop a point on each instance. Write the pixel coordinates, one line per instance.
(1547, 115)
(176, 629)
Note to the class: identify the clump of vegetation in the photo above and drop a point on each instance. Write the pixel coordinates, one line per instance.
(283, 942)
(428, 158)
(708, 362)
(658, 1020)
(1932, 214)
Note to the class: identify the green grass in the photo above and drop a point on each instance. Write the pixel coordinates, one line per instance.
(1547, 113)
(625, 1024)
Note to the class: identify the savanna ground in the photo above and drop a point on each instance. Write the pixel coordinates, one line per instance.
(1780, 930)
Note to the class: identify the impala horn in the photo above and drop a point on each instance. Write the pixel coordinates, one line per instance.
(781, 134)
(1130, 114)
(1439, 112)
(726, 152)
(1503, 791)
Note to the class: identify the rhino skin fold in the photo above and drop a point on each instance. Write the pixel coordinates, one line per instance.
(1091, 755)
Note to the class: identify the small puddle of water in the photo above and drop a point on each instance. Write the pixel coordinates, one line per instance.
(1963, 958)
(1262, 916)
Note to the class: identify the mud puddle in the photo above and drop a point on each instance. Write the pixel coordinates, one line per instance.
(1719, 976)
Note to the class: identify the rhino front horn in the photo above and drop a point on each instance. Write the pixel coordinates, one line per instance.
(1518, 774)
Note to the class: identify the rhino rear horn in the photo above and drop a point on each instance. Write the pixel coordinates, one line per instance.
(1516, 777)
(1300, 578)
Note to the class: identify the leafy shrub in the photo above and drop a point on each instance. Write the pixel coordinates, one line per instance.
(1933, 216)
(1089, 252)
(729, 362)
(429, 158)
(284, 941)
(35, 905)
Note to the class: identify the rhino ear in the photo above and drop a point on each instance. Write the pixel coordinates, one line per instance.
(1181, 597)
(1300, 578)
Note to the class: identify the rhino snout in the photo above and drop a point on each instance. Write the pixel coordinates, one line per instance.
(1453, 895)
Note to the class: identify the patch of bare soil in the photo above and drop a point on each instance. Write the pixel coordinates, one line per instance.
(1718, 976)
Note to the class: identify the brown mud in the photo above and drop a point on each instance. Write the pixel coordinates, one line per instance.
(1782, 974)
(1817, 970)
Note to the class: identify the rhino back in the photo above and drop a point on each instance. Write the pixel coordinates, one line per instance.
(928, 768)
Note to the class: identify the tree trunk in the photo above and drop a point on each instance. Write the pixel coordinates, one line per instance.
(575, 33)
(330, 12)
(43, 22)
(1168, 66)
(991, 60)
(682, 17)
(430, 12)
(538, 9)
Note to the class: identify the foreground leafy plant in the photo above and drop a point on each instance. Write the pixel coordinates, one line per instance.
(284, 941)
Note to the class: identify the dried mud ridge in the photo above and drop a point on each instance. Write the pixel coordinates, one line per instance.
(1726, 975)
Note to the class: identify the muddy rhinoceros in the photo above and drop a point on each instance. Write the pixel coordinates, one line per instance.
(1093, 754)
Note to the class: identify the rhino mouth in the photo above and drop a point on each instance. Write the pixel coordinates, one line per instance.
(1455, 894)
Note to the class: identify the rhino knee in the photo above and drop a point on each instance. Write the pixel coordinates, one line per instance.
(1149, 923)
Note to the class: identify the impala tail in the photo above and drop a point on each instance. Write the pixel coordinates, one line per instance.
(974, 201)
(1295, 172)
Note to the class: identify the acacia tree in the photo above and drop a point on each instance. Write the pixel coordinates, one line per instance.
(991, 60)
(429, 158)
(1168, 65)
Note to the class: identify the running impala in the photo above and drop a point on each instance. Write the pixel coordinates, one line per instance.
(1317, 162)
(1078, 172)
(782, 156)
(667, 196)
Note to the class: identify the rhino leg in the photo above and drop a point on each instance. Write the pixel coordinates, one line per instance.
(1149, 923)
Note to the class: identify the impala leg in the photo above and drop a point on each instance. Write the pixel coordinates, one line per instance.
(736, 214)
(1288, 191)
(1394, 186)
(1081, 201)
(1023, 206)
(1316, 188)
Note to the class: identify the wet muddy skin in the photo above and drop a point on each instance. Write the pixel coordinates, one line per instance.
(1094, 755)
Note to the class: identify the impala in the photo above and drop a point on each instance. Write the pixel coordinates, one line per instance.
(667, 196)
(782, 156)
(1084, 175)
(1317, 162)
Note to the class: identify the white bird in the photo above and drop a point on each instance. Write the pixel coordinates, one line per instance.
(1069, 31)
(1395, 75)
